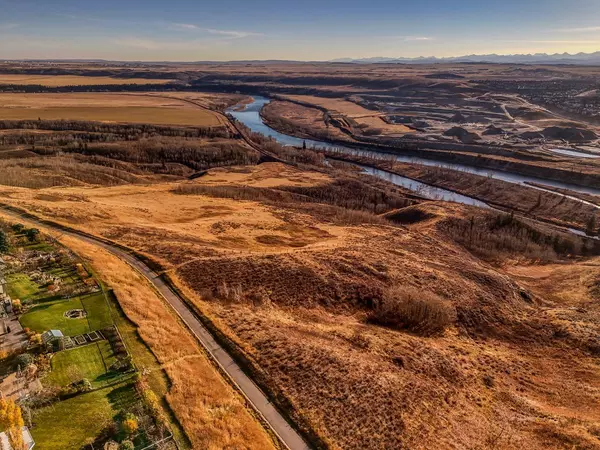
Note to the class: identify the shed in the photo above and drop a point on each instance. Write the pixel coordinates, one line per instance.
(51, 336)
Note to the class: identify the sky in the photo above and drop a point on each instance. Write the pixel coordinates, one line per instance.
(223, 30)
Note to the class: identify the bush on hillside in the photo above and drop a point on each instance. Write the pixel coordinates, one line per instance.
(415, 310)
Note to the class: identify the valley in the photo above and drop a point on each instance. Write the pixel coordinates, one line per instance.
(408, 261)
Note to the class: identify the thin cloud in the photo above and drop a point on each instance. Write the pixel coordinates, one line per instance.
(578, 30)
(8, 26)
(410, 38)
(231, 34)
(418, 38)
(185, 26)
(156, 45)
(146, 44)
(567, 42)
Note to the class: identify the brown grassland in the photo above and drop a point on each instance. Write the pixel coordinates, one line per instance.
(513, 364)
(375, 318)
(105, 108)
(72, 80)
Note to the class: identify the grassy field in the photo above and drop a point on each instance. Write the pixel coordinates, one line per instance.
(68, 425)
(97, 310)
(73, 80)
(21, 287)
(301, 313)
(49, 315)
(91, 362)
(128, 108)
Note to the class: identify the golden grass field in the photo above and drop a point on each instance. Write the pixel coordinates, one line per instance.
(132, 108)
(212, 414)
(511, 373)
(73, 80)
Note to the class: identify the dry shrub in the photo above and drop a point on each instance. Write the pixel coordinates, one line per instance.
(352, 217)
(43, 172)
(408, 308)
(503, 235)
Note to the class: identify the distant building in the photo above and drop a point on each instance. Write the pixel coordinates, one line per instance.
(27, 440)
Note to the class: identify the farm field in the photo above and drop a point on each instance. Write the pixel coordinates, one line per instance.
(130, 108)
(73, 80)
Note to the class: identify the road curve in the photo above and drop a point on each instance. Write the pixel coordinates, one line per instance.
(259, 401)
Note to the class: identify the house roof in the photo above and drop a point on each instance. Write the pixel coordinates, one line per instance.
(52, 334)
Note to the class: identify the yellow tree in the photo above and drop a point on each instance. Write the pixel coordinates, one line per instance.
(11, 421)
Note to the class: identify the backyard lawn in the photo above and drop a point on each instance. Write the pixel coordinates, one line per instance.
(91, 362)
(98, 312)
(50, 315)
(67, 425)
(21, 287)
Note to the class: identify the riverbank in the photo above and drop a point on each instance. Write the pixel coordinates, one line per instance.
(583, 176)
(545, 206)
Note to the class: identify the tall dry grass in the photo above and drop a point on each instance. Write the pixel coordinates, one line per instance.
(44, 172)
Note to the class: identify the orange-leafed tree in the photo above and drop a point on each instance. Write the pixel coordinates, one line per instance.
(11, 421)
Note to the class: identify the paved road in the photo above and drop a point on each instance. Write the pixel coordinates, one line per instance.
(255, 396)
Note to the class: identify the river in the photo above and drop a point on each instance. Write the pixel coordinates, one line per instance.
(250, 116)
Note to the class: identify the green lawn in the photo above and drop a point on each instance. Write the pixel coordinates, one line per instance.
(98, 311)
(91, 362)
(67, 425)
(21, 287)
(39, 246)
(49, 315)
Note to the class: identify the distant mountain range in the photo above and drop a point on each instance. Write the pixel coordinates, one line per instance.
(537, 58)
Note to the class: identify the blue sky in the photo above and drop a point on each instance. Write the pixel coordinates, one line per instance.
(192, 30)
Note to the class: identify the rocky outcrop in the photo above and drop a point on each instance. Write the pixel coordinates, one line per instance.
(570, 134)
(465, 136)
(493, 131)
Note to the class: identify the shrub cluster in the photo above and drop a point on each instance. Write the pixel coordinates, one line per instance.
(408, 308)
